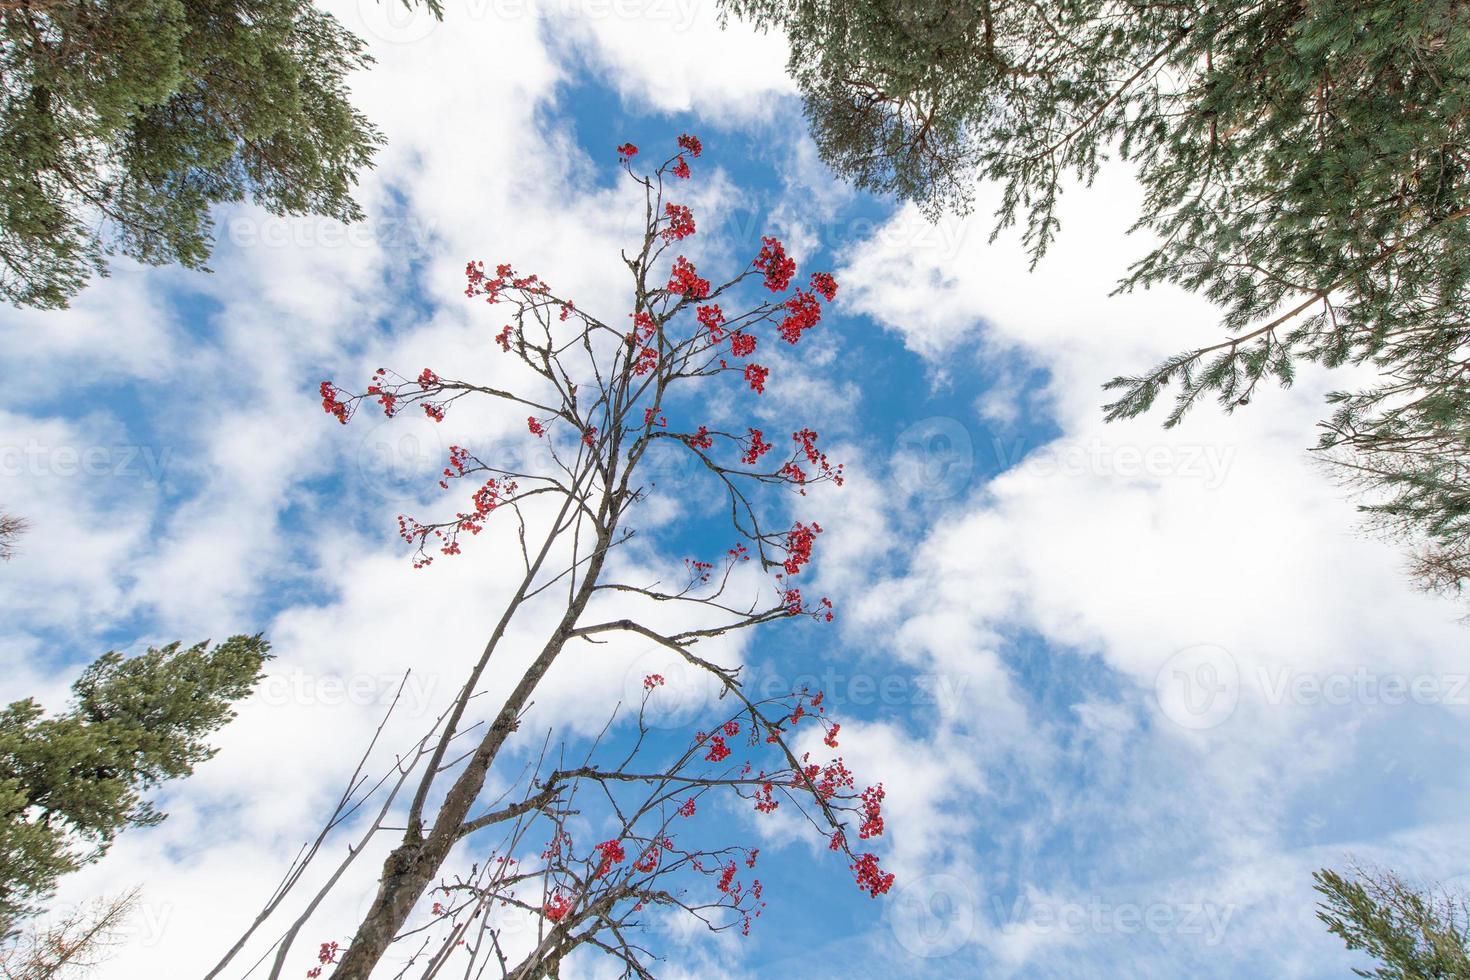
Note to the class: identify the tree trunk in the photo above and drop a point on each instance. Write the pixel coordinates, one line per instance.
(413, 866)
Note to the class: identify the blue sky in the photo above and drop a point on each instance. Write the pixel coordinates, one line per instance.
(1126, 688)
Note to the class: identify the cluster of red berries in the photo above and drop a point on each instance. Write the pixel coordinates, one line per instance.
(681, 223)
(556, 907)
(755, 448)
(332, 405)
(610, 852)
(685, 281)
(773, 262)
(799, 541)
(325, 956)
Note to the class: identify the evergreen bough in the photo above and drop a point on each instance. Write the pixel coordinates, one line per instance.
(71, 782)
(1306, 167)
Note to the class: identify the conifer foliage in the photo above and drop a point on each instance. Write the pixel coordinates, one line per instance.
(123, 124)
(1411, 932)
(71, 782)
(1305, 167)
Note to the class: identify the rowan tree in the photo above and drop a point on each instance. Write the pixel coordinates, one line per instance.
(590, 841)
(1305, 167)
(71, 782)
(123, 124)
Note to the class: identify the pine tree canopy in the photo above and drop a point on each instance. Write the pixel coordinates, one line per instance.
(1414, 934)
(1305, 167)
(123, 123)
(70, 782)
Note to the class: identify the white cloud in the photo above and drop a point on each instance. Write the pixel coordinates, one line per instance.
(672, 56)
(1126, 543)
(87, 489)
(297, 299)
(1118, 545)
